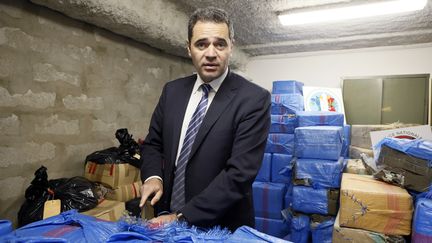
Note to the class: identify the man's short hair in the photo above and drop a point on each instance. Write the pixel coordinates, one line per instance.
(210, 14)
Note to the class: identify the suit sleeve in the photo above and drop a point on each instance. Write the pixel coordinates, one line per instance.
(151, 149)
(232, 183)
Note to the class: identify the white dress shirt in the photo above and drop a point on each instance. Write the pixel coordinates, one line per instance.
(194, 100)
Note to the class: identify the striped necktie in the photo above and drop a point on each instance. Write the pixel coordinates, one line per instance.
(178, 191)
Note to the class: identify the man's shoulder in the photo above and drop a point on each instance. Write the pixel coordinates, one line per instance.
(182, 80)
(246, 84)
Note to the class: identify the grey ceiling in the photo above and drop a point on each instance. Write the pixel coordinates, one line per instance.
(258, 31)
(163, 25)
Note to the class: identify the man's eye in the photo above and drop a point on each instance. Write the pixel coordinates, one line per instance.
(220, 45)
(201, 45)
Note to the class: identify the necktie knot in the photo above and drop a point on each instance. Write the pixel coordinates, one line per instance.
(206, 89)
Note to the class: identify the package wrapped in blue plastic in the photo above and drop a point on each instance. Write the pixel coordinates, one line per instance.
(315, 200)
(318, 142)
(346, 141)
(300, 228)
(5, 227)
(247, 234)
(399, 166)
(268, 199)
(144, 231)
(319, 173)
(419, 148)
(288, 199)
(322, 232)
(282, 104)
(422, 221)
(264, 174)
(275, 227)
(319, 118)
(69, 226)
(287, 87)
(283, 123)
(280, 143)
(280, 161)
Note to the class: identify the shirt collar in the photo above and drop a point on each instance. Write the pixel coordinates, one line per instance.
(215, 84)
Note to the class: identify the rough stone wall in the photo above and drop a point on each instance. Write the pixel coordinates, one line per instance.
(65, 88)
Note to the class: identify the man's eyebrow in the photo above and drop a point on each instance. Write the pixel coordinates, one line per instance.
(206, 40)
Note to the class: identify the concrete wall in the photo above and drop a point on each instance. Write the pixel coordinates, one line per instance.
(65, 88)
(326, 69)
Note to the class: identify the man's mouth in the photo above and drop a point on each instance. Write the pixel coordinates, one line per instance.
(210, 66)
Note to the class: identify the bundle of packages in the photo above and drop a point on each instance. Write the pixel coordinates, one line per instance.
(275, 227)
(281, 143)
(322, 228)
(279, 162)
(282, 104)
(406, 163)
(374, 205)
(268, 199)
(283, 123)
(287, 87)
(117, 168)
(319, 118)
(422, 222)
(318, 142)
(315, 201)
(69, 226)
(355, 166)
(318, 173)
(346, 141)
(346, 234)
(107, 210)
(264, 174)
(300, 228)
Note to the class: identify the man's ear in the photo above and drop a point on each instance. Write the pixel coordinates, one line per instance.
(188, 48)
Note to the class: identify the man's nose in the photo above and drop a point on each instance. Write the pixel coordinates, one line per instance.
(211, 51)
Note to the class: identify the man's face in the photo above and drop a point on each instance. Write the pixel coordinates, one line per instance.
(210, 48)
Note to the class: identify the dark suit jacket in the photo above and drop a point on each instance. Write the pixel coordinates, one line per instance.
(226, 154)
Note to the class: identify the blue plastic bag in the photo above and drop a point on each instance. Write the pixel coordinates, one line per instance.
(69, 226)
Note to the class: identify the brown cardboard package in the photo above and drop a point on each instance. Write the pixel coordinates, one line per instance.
(350, 235)
(113, 175)
(403, 170)
(107, 210)
(125, 193)
(355, 166)
(366, 203)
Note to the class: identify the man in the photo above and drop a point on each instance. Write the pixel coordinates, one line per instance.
(207, 135)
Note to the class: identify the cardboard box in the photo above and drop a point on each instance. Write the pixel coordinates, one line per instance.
(355, 166)
(403, 170)
(350, 235)
(366, 203)
(125, 193)
(107, 210)
(113, 175)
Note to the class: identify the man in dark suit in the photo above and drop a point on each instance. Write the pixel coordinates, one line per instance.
(207, 135)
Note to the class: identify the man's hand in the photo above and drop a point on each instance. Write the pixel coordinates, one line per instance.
(151, 187)
(164, 219)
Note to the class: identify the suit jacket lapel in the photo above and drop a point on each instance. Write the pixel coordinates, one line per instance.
(222, 99)
(180, 104)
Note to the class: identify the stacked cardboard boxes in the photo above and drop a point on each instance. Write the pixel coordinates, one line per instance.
(123, 183)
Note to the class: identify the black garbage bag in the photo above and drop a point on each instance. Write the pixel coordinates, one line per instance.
(74, 193)
(36, 195)
(127, 152)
